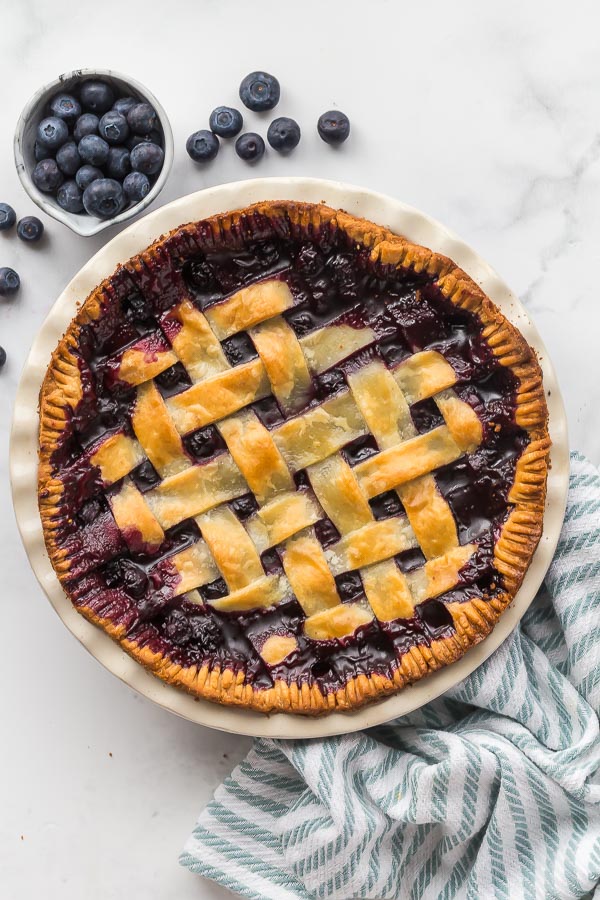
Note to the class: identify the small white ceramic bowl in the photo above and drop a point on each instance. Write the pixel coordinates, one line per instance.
(34, 112)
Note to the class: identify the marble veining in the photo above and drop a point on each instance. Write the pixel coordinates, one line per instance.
(486, 116)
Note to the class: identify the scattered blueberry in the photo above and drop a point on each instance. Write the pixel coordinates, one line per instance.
(65, 106)
(250, 146)
(9, 282)
(8, 217)
(153, 137)
(333, 127)
(259, 91)
(118, 163)
(124, 104)
(86, 124)
(147, 158)
(93, 150)
(136, 186)
(52, 132)
(2, 357)
(283, 134)
(69, 197)
(86, 174)
(97, 96)
(113, 127)
(46, 176)
(142, 118)
(202, 146)
(225, 121)
(104, 198)
(68, 158)
(30, 229)
(40, 152)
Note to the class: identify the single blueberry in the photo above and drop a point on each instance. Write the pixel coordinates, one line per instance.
(93, 150)
(153, 137)
(86, 174)
(136, 185)
(226, 121)
(9, 282)
(124, 104)
(46, 176)
(65, 106)
(68, 158)
(104, 198)
(86, 124)
(97, 96)
(30, 229)
(69, 197)
(142, 118)
(41, 152)
(283, 134)
(259, 91)
(8, 217)
(2, 357)
(52, 132)
(333, 127)
(147, 158)
(202, 146)
(250, 146)
(118, 164)
(113, 127)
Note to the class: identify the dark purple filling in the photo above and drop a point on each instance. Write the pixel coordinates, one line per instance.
(329, 279)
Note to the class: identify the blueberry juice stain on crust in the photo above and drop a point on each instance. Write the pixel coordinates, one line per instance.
(330, 280)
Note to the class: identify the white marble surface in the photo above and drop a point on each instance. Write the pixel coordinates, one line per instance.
(487, 116)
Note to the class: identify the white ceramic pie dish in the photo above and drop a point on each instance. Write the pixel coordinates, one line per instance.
(23, 451)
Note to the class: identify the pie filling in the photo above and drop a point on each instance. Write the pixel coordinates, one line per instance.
(286, 460)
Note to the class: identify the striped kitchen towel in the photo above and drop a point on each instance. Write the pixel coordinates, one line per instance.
(493, 790)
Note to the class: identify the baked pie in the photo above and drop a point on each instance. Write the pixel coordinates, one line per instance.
(292, 461)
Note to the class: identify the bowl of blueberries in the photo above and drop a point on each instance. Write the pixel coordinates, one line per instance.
(93, 148)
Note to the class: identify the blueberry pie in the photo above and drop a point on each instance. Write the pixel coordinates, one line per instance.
(290, 460)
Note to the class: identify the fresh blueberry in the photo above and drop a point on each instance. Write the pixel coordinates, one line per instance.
(124, 104)
(136, 185)
(86, 124)
(142, 118)
(250, 146)
(259, 91)
(30, 229)
(9, 282)
(113, 127)
(153, 137)
(65, 107)
(8, 217)
(93, 150)
(86, 174)
(104, 198)
(2, 357)
(97, 96)
(40, 152)
(225, 121)
(333, 127)
(46, 176)
(118, 164)
(202, 146)
(147, 158)
(69, 197)
(52, 132)
(68, 158)
(283, 134)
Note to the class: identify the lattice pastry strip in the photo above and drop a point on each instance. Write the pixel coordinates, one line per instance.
(116, 457)
(156, 433)
(233, 552)
(140, 529)
(371, 544)
(145, 359)
(194, 342)
(283, 359)
(439, 575)
(423, 375)
(195, 567)
(248, 307)
(308, 572)
(283, 517)
(256, 455)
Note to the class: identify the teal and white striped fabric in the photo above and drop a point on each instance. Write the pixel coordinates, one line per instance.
(490, 791)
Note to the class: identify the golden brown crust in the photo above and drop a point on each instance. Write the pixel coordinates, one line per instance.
(473, 619)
